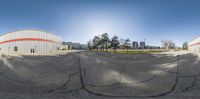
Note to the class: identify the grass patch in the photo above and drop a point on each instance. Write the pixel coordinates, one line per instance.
(139, 51)
(123, 51)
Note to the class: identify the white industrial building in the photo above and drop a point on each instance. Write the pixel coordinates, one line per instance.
(29, 41)
(194, 46)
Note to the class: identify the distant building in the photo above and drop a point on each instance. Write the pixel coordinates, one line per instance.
(66, 46)
(78, 46)
(142, 45)
(135, 45)
(84, 46)
(72, 45)
(152, 47)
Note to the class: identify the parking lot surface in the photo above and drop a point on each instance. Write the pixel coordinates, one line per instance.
(91, 75)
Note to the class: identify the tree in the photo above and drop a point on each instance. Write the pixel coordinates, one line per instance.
(109, 45)
(185, 46)
(127, 44)
(121, 42)
(114, 42)
(90, 44)
(101, 44)
(164, 43)
(105, 39)
(96, 42)
(168, 44)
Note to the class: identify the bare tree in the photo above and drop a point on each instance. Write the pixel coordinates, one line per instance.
(121, 42)
(168, 44)
(127, 44)
(185, 46)
(90, 44)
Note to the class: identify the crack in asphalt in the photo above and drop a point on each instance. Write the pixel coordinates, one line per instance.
(109, 85)
(83, 71)
(194, 77)
(68, 80)
(106, 95)
(61, 87)
(120, 80)
(116, 84)
(191, 86)
(83, 85)
(193, 82)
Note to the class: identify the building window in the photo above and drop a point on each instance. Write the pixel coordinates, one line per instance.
(15, 49)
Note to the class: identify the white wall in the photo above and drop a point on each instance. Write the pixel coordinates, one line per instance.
(25, 46)
(194, 46)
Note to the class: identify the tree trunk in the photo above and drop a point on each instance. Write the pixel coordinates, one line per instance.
(106, 46)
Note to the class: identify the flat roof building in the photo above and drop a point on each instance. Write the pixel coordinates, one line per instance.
(142, 45)
(135, 45)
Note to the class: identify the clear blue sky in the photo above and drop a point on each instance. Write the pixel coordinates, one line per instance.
(78, 21)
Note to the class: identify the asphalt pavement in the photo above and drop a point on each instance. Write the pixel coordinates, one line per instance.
(91, 75)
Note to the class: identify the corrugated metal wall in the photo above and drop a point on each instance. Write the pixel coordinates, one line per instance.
(52, 43)
(194, 46)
